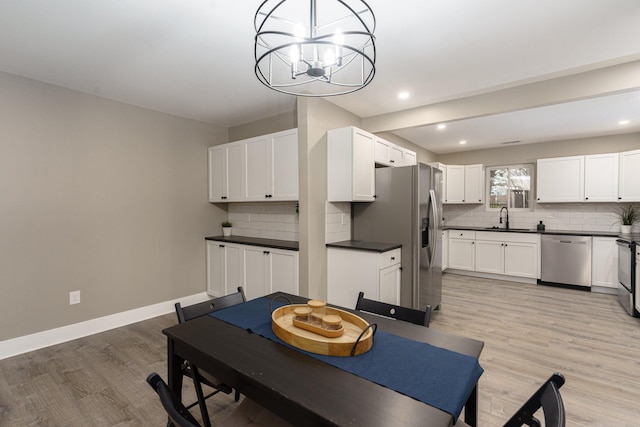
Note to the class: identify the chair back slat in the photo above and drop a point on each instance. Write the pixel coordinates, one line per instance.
(176, 411)
(546, 397)
(397, 312)
(200, 309)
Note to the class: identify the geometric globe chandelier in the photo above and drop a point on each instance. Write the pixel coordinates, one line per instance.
(315, 48)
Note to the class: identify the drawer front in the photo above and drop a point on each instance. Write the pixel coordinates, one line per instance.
(390, 258)
(462, 234)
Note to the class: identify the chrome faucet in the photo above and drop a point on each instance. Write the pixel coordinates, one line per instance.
(507, 209)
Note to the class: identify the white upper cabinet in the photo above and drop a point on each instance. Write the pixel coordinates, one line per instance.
(629, 184)
(464, 184)
(608, 177)
(473, 184)
(455, 184)
(264, 168)
(350, 165)
(410, 157)
(601, 177)
(560, 179)
(389, 154)
(226, 172)
(282, 166)
(381, 153)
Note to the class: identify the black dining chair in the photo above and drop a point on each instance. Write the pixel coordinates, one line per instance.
(546, 397)
(247, 414)
(418, 317)
(177, 412)
(198, 376)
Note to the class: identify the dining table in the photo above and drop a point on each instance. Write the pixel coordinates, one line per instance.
(306, 390)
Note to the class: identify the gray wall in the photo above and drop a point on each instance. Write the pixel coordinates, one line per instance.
(100, 197)
(529, 153)
(315, 117)
(277, 123)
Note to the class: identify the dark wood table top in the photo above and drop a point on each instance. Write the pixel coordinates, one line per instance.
(302, 389)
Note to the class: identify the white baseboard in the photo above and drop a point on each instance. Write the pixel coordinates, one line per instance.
(24, 344)
(492, 276)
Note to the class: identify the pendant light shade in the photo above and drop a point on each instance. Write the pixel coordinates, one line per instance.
(315, 47)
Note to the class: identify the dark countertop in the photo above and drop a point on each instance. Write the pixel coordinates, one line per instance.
(256, 241)
(551, 232)
(362, 245)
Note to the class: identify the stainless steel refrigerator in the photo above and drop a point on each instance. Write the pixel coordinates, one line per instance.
(408, 210)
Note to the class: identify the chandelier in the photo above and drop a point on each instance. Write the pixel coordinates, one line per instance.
(315, 48)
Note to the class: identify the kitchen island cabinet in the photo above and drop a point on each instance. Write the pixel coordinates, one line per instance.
(376, 272)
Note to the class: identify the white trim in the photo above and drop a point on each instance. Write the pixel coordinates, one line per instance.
(26, 343)
(492, 276)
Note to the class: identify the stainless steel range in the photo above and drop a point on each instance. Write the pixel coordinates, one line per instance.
(627, 274)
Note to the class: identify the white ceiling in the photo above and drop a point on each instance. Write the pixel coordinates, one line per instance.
(195, 59)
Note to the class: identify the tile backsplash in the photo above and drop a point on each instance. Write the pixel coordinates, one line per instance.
(273, 220)
(559, 216)
(337, 221)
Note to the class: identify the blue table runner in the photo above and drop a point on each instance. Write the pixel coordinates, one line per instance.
(436, 376)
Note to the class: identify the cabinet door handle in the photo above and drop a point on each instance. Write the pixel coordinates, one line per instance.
(223, 197)
(222, 246)
(266, 252)
(393, 258)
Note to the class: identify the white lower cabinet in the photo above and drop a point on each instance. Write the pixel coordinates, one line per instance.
(511, 254)
(225, 267)
(604, 262)
(489, 256)
(350, 271)
(521, 259)
(462, 250)
(259, 270)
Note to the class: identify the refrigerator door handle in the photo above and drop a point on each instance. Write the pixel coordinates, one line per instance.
(425, 232)
(434, 222)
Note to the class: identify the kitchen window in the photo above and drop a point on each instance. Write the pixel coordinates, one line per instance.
(509, 186)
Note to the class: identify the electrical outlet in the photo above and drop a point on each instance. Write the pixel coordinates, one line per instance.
(74, 297)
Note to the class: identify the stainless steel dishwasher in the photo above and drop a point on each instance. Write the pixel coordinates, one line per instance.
(566, 260)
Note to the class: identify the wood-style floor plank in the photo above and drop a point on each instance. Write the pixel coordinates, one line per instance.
(529, 332)
(532, 331)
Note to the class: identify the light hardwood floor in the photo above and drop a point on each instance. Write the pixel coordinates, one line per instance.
(529, 332)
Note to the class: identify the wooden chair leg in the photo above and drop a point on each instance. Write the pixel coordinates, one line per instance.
(237, 397)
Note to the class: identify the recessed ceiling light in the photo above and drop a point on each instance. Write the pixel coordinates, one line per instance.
(623, 122)
(403, 95)
(442, 126)
(463, 142)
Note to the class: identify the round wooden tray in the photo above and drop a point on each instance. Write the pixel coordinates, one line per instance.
(282, 325)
